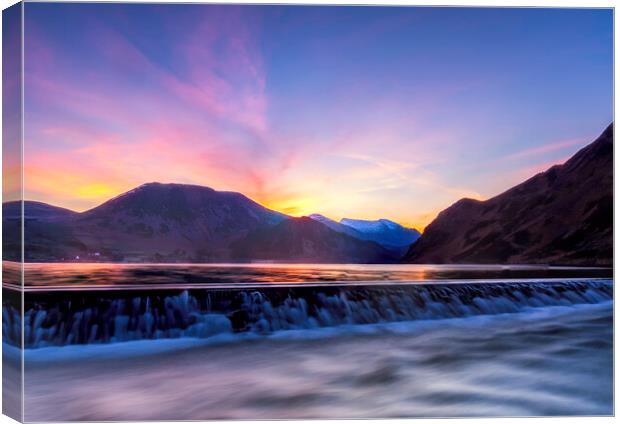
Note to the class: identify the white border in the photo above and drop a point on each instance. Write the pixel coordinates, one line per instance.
(474, 3)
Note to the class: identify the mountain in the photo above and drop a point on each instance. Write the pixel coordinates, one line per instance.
(44, 230)
(173, 222)
(337, 226)
(164, 223)
(154, 222)
(390, 235)
(383, 231)
(34, 210)
(307, 240)
(561, 216)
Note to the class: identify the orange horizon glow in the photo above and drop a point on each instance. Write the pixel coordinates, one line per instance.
(90, 195)
(80, 192)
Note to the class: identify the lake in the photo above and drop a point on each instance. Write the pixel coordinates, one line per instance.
(243, 341)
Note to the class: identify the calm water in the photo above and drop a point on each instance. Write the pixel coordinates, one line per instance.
(81, 276)
(285, 341)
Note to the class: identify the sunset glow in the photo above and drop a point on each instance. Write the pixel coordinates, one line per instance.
(363, 112)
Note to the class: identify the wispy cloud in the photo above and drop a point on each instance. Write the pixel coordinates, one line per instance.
(203, 122)
(366, 115)
(545, 149)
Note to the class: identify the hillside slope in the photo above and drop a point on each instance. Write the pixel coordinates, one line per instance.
(561, 216)
(177, 223)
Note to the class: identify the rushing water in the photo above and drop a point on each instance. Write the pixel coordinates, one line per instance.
(114, 342)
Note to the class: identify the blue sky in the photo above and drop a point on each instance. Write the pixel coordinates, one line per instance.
(362, 112)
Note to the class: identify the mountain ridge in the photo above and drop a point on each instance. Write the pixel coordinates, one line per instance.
(383, 231)
(388, 234)
(561, 216)
(158, 222)
(302, 239)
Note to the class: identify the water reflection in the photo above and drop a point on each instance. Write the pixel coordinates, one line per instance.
(100, 275)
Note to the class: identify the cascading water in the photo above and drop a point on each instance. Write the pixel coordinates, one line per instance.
(65, 318)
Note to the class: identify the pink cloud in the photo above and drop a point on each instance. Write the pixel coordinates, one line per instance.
(544, 149)
(115, 126)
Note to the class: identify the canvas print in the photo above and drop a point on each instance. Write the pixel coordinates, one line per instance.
(296, 212)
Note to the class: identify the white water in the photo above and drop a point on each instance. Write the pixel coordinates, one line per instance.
(144, 342)
(553, 360)
(78, 318)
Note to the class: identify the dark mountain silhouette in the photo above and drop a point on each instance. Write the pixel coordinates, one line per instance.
(561, 216)
(173, 222)
(307, 240)
(45, 229)
(34, 210)
(163, 223)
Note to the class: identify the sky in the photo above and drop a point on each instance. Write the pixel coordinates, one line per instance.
(359, 112)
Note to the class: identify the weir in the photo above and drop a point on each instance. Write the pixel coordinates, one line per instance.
(58, 318)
